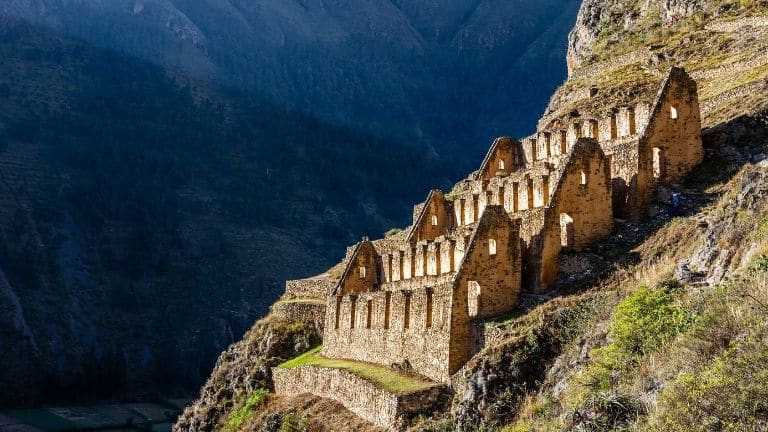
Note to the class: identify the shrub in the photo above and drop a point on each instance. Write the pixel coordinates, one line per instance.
(730, 394)
(648, 318)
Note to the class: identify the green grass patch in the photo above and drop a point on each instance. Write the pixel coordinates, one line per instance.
(383, 376)
(239, 416)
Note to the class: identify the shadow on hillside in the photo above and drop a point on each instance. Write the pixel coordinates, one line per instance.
(149, 219)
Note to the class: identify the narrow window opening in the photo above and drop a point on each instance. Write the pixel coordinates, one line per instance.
(501, 201)
(613, 126)
(594, 129)
(563, 142)
(338, 313)
(583, 178)
(577, 130)
(530, 193)
(361, 272)
(352, 314)
(434, 220)
(491, 246)
(566, 230)
(673, 113)
(501, 165)
(534, 156)
(475, 209)
(545, 189)
(429, 308)
(407, 315)
(473, 298)
(386, 310)
(548, 143)
(461, 211)
(369, 306)
(658, 162)
(631, 115)
(515, 196)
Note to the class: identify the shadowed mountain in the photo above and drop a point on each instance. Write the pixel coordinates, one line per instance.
(446, 78)
(148, 219)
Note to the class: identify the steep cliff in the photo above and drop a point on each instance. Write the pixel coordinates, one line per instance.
(668, 331)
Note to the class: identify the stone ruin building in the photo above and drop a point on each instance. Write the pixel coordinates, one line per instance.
(418, 299)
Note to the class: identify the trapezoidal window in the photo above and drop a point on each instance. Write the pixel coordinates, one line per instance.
(673, 113)
(361, 272)
(658, 162)
(369, 313)
(631, 119)
(501, 164)
(491, 247)
(429, 309)
(434, 220)
(583, 178)
(473, 298)
(594, 129)
(563, 142)
(338, 312)
(386, 310)
(407, 314)
(566, 230)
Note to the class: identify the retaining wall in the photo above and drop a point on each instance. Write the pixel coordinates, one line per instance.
(364, 398)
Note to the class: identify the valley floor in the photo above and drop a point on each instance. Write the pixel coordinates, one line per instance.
(109, 417)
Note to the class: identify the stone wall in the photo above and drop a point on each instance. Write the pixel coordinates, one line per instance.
(366, 399)
(387, 327)
(488, 283)
(670, 146)
(319, 288)
(311, 311)
(581, 211)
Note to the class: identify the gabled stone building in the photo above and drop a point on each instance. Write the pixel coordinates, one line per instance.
(420, 298)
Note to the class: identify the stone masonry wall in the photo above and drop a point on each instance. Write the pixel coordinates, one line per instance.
(309, 288)
(387, 327)
(366, 399)
(311, 311)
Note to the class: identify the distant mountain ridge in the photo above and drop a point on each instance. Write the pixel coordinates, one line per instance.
(379, 66)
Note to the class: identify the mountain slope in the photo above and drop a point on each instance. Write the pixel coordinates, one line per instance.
(671, 334)
(383, 67)
(147, 218)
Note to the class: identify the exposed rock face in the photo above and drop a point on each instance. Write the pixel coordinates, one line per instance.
(596, 16)
(245, 367)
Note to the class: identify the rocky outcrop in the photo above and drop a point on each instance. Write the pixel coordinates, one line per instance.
(245, 367)
(598, 16)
